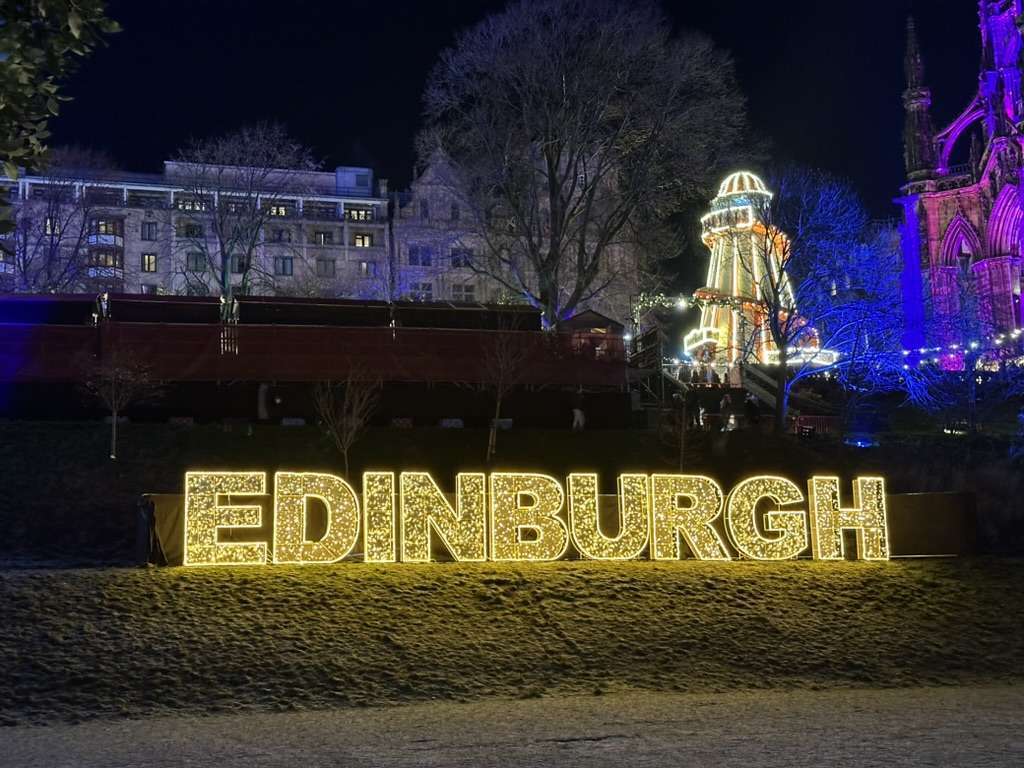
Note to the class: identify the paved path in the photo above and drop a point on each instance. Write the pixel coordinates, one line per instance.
(919, 727)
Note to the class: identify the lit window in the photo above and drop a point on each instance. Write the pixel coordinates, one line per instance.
(462, 257)
(420, 256)
(107, 226)
(149, 262)
(105, 258)
(464, 292)
(423, 291)
(51, 226)
(195, 261)
(149, 230)
(279, 210)
(359, 214)
(325, 267)
(284, 265)
(367, 268)
(362, 240)
(323, 238)
(190, 204)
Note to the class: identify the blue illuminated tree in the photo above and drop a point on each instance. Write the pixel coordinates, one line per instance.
(829, 291)
(975, 371)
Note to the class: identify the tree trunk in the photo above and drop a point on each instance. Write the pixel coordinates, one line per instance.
(781, 395)
(549, 302)
(492, 436)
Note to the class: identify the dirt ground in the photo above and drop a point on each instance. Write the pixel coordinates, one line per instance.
(964, 727)
(77, 644)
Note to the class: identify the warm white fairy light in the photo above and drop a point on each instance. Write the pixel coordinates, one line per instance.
(379, 517)
(526, 517)
(205, 517)
(867, 517)
(292, 492)
(584, 518)
(790, 526)
(527, 503)
(425, 510)
(692, 521)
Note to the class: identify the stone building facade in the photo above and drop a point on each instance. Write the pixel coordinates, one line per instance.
(962, 202)
(435, 248)
(325, 234)
(335, 235)
(440, 252)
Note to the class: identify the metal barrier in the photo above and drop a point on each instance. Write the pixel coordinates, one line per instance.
(811, 426)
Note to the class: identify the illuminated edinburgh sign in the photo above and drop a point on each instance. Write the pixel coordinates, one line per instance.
(521, 516)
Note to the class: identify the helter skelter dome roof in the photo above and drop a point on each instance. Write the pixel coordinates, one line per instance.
(741, 183)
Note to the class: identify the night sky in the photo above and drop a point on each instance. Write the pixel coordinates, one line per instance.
(823, 79)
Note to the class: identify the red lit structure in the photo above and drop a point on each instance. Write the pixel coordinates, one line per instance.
(55, 338)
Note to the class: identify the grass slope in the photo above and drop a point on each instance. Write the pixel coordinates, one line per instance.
(80, 643)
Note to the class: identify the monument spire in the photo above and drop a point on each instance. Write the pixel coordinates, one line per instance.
(918, 136)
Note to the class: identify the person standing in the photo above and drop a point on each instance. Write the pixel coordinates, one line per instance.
(692, 406)
(579, 419)
(725, 409)
(751, 410)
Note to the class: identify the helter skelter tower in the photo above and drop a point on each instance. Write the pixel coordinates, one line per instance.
(733, 324)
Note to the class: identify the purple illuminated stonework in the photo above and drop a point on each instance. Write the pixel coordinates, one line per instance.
(961, 205)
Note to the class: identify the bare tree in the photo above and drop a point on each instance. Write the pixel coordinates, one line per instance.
(975, 371)
(572, 125)
(236, 185)
(341, 281)
(826, 287)
(503, 365)
(118, 384)
(308, 283)
(345, 408)
(51, 241)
